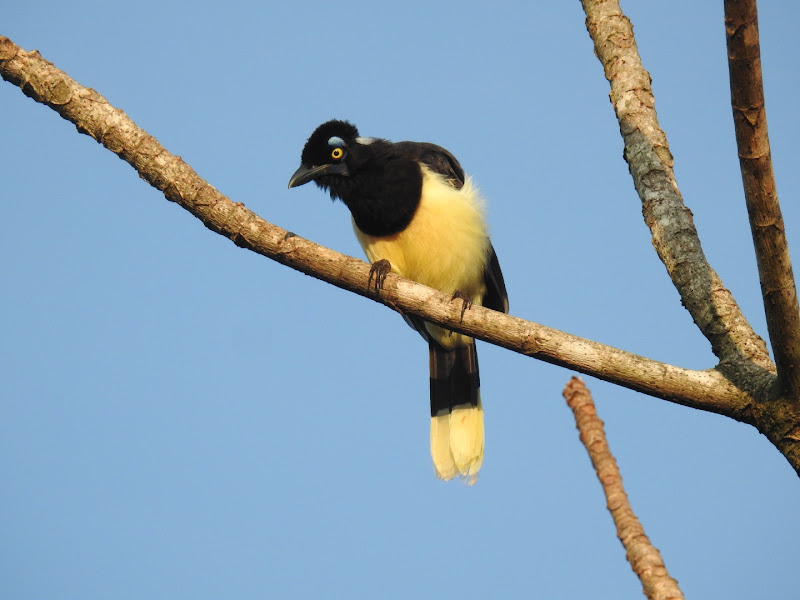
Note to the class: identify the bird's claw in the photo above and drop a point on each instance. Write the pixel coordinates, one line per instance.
(380, 269)
(466, 302)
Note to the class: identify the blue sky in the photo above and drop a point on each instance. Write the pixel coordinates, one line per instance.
(184, 419)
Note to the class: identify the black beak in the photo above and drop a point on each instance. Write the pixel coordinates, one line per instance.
(305, 173)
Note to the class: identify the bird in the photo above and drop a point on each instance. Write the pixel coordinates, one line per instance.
(415, 213)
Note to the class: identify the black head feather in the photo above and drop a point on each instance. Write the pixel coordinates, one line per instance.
(317, 150)
(380, 182)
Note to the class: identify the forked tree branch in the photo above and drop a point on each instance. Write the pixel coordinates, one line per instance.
(675, 238)
(743, 354)
(644, 558)
(766, 221)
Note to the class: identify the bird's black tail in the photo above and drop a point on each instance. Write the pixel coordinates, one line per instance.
(456, 412)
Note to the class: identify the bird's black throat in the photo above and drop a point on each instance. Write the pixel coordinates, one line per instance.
(382, 192)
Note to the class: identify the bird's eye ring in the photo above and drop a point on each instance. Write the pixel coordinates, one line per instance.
(337, 153)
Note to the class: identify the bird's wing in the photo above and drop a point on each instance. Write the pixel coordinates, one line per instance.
(496, 296)
(436, 158)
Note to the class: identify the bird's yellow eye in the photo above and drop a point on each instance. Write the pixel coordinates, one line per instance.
(337, 153)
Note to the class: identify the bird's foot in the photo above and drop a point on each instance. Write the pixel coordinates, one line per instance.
(380, 269)
(466, 302)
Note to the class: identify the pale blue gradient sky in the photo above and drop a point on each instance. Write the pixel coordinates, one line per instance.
(184, 419)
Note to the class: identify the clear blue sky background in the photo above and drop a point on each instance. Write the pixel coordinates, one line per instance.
(181, 418)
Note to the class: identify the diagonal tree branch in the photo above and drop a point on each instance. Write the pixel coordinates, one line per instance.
(766, 221)
(644, 558)
(740, 395)
(675, 238)
(94, 116)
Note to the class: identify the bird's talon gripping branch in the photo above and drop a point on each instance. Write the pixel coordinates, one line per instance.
(380, 269)
(466, 302)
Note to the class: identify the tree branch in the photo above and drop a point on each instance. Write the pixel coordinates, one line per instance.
(93, 115)
(766, 221)
(644, 558)
(674, 235)
(736, 392)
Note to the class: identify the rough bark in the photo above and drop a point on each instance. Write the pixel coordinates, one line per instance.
(743, 355)
(650, 162)
(644, 558)
(766, 221)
